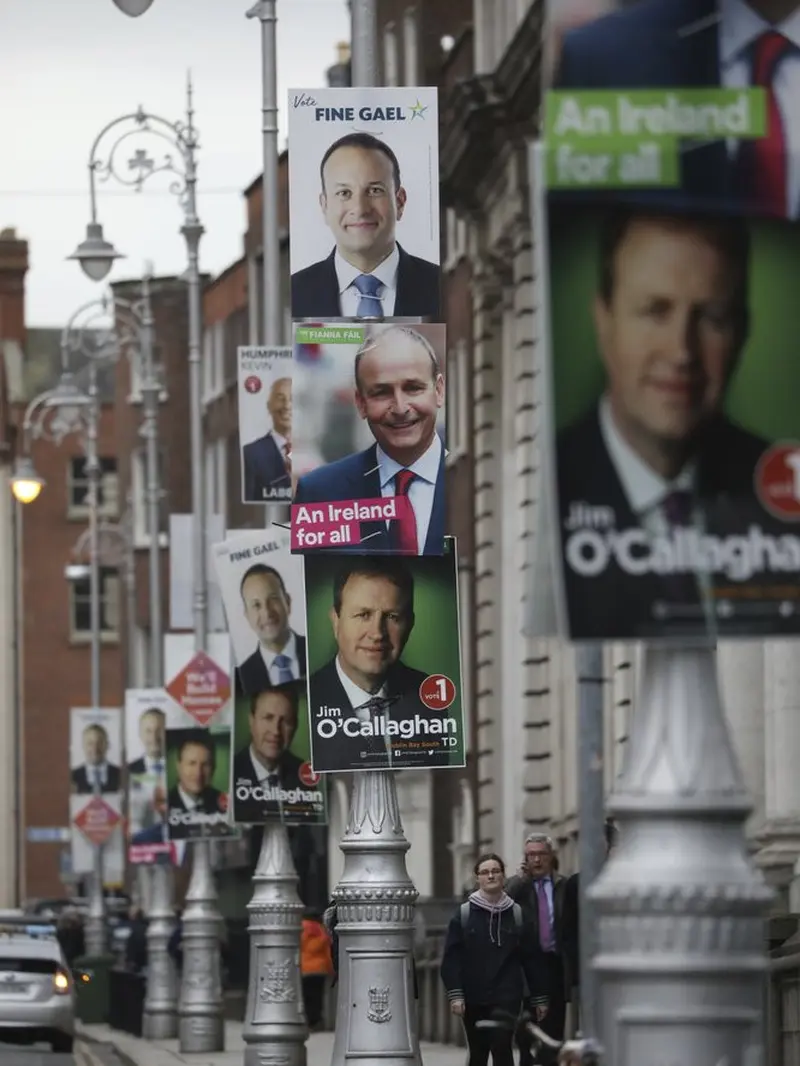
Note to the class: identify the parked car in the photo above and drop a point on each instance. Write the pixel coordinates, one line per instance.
(37, 993)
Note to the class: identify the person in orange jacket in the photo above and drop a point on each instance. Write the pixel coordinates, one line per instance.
(316, 964)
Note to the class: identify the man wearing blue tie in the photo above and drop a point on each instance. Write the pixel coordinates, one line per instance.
(280, 656)
(368, 274)
(399, 391)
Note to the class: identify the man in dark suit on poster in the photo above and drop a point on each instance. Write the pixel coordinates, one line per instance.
(196, 761)
(372, 617)
(267, 462)
(682, 44)
(399, 391)
(657, 455)
(368, 274)
(280, 656)
(96, 772)
(267, 760)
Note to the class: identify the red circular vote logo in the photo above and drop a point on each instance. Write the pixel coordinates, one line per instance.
(252, 384)
(778, 480)
(437, 692)
(307, 775)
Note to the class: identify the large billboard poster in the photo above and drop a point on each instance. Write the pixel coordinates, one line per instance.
(691, 99)
(675, 387)
(370, 437)
(384, 686)
(146, 715)
(262, 590)
(95, 805)
(265, 424)
(364, 202)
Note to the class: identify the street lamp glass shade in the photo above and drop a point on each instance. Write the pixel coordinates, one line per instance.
(134, 8)
(25, 482)
(95, 254)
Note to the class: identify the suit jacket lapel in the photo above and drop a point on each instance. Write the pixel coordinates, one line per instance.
(329, 296)
(368, 487)
(407, 299)
(434, 542)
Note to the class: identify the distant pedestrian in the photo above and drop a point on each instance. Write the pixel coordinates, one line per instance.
(136, 944)
(489, 955)
(70, 934)
(316, 966)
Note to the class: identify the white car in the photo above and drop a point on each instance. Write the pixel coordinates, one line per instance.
(37, 995)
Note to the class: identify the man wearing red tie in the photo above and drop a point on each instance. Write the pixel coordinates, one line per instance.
(732, 44)
(399, 391)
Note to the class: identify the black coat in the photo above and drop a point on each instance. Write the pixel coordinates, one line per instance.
(489, 969)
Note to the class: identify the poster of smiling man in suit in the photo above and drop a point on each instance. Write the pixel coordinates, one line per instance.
(382, 489)
(364, 203)
(265, 423)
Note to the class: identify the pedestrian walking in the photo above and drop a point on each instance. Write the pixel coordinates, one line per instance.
(316, 966)
(489, 955)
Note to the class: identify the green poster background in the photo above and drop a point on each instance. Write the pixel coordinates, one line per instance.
(764, 396)
(221, 737)
(433, 646)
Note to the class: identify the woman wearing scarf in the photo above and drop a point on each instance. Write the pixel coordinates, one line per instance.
(489, 954)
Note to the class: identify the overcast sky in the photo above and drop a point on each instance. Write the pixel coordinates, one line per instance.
(71, 66)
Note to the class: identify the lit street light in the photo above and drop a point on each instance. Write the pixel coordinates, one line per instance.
(26, 484)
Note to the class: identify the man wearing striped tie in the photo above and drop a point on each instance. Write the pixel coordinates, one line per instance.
(368, 274)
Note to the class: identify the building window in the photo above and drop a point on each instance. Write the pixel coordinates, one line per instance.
(236, 334)
(81, 605)
(78, 488)
(214, 360)
(390, 61)
(216, 475)
(141, 523)
(455, 239)
(457, 380)
(410, 47)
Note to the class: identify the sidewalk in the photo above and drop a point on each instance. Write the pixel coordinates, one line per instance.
(166, 1053)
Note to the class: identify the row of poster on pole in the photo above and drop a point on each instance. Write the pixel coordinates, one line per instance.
(312, 638)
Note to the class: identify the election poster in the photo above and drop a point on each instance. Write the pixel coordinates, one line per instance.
(198, 739)
(370, 438)
(272, 775)
(690, 100)
(265, 423)
(95, 759)
(146, 713)
(384, 687)
(676, 424)
(262, 590)
(364, 203)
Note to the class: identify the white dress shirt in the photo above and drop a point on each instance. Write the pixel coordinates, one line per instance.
(97, 775)
(262, 775)
(191, 803)
(739, 27)
(645, 491)
(359, 698)
(350, 297)
(289, 650)
(421, 490)
(280, 441)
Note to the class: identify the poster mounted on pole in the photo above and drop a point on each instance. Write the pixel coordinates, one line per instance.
(384, 686)
(146, 714)
(370, 439)
(265, 423)
(364, 203)
(96, 791)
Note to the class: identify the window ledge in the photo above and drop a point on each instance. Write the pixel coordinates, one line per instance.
(82, 639)
(135, 398)
(81, 514)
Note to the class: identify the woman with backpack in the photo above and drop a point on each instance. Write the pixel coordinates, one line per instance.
(489, 956)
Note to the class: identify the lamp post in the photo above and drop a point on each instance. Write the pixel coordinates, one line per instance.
(375, 897)
(275, 1026)
(201, 1025)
